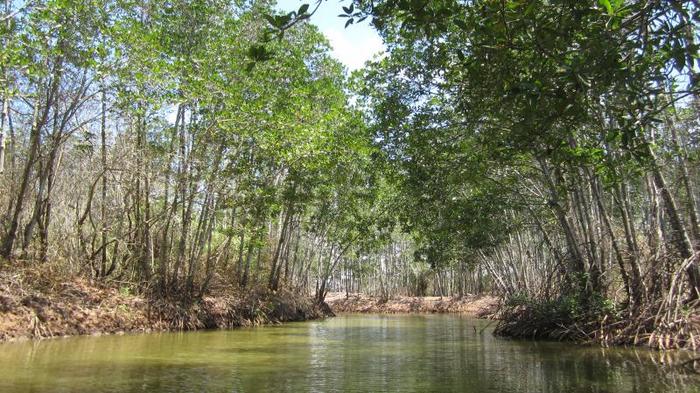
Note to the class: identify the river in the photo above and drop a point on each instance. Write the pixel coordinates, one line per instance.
(353, 353)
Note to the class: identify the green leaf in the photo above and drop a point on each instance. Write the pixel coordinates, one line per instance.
(270, 19)
(679, 60)
(461, 24)
(283, 20)
(303, 9)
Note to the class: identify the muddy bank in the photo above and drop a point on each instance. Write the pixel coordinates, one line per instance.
(77, 307)
(478, 306)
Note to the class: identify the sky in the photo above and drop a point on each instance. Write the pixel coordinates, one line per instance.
(352, 46)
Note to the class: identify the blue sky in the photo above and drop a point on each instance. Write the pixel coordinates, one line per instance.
(352, 46)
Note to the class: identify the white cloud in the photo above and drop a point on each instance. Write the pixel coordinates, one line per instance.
(353, 50)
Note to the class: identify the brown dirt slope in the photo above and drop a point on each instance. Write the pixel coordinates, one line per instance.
(32, 307)
(479, 306)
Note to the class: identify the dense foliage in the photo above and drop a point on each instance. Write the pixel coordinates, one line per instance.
(149, 146)
(546, 150)
(555, 143)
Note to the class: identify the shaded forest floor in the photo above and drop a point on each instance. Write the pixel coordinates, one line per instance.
(32, 306)
(479, 306)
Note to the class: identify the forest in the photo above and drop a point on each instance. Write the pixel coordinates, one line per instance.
(544, 151)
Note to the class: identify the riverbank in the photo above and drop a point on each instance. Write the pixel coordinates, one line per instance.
(480, 306)
(34, 308)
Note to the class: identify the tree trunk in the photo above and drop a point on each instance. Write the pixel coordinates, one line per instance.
(11, 235)
(681, 240)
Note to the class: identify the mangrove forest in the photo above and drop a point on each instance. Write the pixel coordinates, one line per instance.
(173, 165)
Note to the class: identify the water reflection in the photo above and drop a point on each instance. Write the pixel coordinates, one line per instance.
(419, 353)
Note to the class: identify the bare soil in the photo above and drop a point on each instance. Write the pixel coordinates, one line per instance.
(479, 306)
(32, 307)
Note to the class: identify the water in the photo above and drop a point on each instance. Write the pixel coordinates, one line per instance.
(354, 353)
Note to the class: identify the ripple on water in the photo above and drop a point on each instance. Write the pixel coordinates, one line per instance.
(353, 353)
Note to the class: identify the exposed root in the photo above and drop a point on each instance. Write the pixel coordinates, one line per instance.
(671, 322)
(77, 307)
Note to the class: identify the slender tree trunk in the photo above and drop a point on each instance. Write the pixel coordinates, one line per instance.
(103, 201)
(10, 237)
(576, 265)
(4, 120)
(681, 240)
(274, 271)
(45, 221)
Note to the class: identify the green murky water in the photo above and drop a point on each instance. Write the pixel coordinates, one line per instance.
(416, 353)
